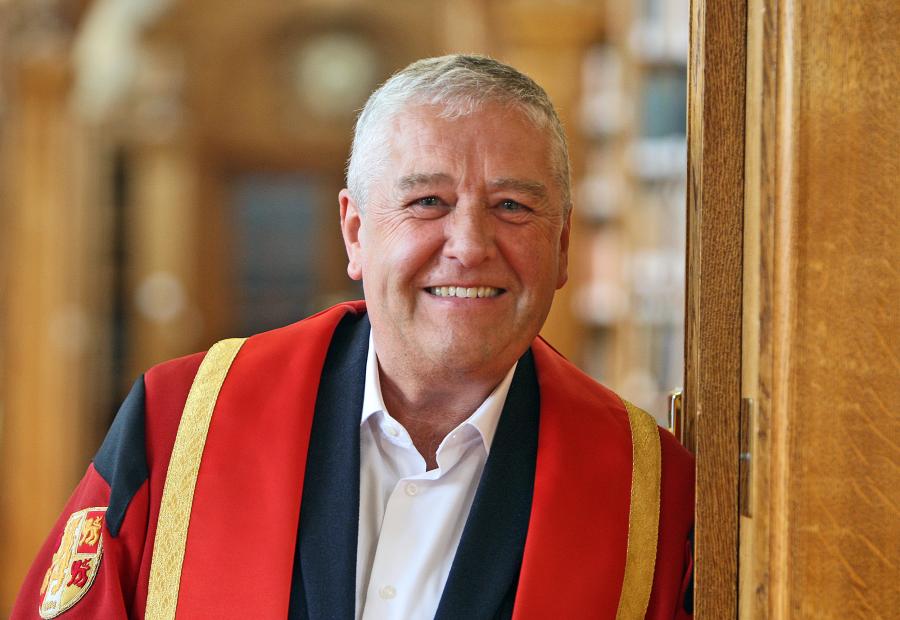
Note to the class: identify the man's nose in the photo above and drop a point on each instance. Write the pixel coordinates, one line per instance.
(469, 235)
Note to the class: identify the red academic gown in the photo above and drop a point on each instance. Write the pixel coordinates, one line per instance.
(239, 562)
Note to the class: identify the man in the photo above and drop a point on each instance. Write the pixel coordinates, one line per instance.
(422, 454)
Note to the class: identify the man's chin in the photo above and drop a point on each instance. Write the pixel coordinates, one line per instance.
(464, 355)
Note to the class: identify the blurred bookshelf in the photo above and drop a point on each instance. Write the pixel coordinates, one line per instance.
(631, 201)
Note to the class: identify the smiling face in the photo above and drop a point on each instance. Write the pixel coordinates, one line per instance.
(462, 244)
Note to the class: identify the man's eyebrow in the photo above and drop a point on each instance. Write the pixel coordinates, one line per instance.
(419, 179)
(536, 189)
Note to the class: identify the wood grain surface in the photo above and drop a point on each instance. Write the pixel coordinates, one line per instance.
(713, 312)
(824, 540)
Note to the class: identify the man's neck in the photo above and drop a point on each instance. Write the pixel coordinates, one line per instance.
(430, 410)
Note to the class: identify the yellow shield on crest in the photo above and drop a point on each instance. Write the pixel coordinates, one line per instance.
(75, 563)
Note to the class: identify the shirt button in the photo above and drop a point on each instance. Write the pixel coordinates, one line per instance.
(387, 592)
(393, 432)
(412, 489)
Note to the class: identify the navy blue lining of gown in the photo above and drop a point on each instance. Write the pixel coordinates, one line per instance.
(122, 458)
(485, 570)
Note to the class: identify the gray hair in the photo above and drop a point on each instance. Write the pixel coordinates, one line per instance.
(460, 85)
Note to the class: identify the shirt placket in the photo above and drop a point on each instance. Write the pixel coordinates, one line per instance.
(402, 569)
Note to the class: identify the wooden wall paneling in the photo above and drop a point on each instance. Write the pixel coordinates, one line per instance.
(713, 304)
(162, 239)
(51, 397)
(823, 540)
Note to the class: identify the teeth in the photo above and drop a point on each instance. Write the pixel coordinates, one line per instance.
(469, 292)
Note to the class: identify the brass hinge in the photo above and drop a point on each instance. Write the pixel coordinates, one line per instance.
(676, 414)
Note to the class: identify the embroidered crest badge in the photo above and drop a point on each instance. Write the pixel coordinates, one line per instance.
(75, 563)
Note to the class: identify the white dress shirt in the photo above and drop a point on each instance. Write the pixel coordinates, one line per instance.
(410, 519)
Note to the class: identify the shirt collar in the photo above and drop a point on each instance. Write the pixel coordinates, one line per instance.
(484, 419)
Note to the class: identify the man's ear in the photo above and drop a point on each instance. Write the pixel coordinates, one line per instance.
(351, 223)
(563, 272)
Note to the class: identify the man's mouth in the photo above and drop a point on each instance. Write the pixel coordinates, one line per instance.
(464, 291)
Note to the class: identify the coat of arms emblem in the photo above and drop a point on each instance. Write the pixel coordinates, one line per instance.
(75, 563)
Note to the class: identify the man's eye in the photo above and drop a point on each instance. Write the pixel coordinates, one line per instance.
(428, 207)
(429, 201)
(512, 205)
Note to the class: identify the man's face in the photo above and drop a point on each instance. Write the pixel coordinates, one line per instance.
(463, 241)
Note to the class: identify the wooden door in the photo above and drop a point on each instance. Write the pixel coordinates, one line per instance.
(822, 345)
(795, 174)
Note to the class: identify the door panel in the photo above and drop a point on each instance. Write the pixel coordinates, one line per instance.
(821, 361)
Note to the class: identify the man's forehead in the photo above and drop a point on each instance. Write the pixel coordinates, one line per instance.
(416, 180)
(416, 117)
